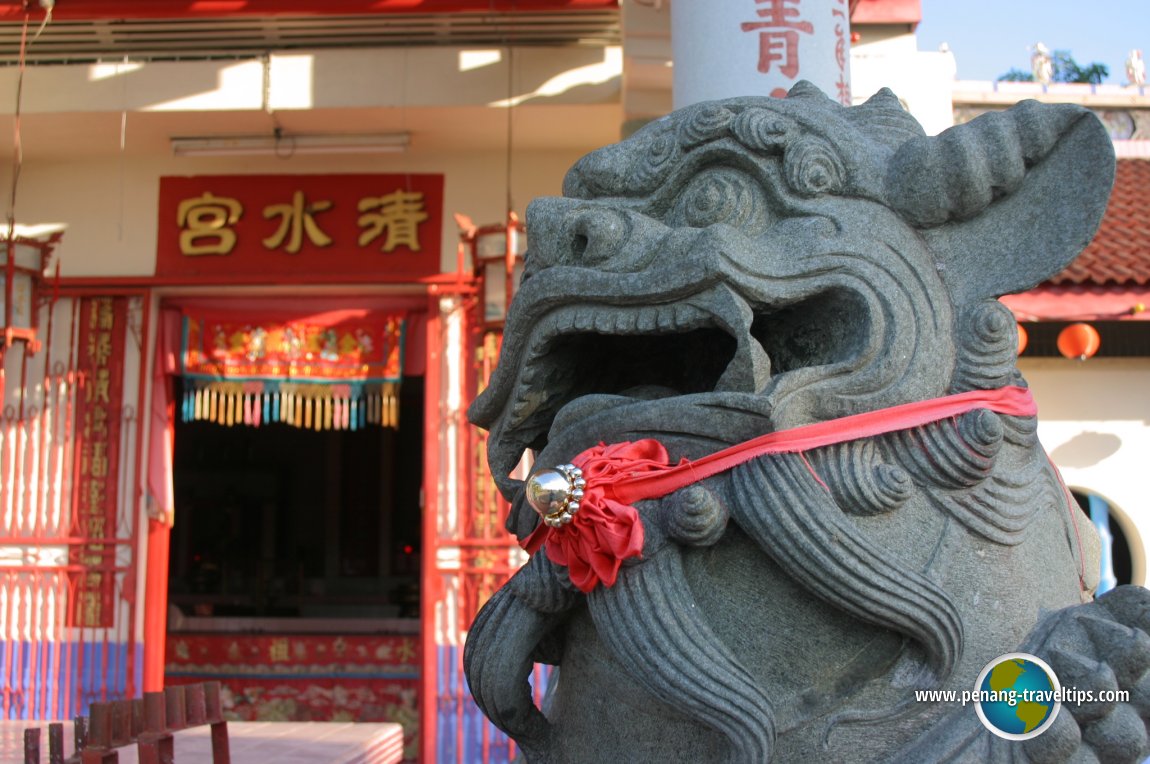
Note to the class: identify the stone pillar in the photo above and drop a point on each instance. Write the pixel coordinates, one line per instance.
(759, 47)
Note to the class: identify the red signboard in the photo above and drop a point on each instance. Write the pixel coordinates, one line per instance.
(370, 227)
(98, 412)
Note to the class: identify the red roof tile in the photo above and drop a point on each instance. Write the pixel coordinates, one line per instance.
(1120, 252)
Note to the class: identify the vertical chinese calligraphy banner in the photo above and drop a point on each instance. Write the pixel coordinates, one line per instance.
(382, 227)
(103, 321)
(759, 47)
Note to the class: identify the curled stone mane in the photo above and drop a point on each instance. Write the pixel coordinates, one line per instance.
(803, 530)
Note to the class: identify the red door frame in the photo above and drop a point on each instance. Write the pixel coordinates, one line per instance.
(154, 599)
(155, 615)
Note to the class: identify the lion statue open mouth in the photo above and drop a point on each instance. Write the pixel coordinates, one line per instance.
(755, 268)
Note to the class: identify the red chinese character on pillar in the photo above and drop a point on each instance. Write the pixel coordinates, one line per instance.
(842, 86)
(779, 35)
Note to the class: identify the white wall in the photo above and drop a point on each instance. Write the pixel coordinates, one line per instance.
(1094, 420)
(109, 208)
(921, 79)
(321, 79)
(95, 138)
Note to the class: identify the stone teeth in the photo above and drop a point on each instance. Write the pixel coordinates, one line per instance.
(665, 319)
(646, 320)
(565, 322)
(584, 320)
(604, 322)
(685, 316)
(528, 403)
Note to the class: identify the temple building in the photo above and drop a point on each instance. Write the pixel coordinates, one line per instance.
(258, 254)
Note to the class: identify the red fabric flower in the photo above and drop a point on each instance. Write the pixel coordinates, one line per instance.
(604, 531)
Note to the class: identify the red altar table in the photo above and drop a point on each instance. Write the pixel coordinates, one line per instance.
(306, 678)
(249, 743)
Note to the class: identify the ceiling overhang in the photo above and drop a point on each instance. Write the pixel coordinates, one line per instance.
(1080, 303)
(65, 10)
(149, 33)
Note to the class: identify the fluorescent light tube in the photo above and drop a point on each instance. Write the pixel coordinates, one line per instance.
(289, 145)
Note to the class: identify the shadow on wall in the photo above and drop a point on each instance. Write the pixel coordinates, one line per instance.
(1086, 449)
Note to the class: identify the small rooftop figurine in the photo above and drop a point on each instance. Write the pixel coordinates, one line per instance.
(1042, 64)
(1136, 68)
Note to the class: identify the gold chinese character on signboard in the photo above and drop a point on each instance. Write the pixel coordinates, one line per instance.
(99, 464)
(106, 316)
(406, 650)
(296, 219)
(100, 387)
(100, 348)
(85, 458)
(100, 315)
(398, 213)
(96, 423)
(205, 220)
(90, 608)
(95, 496)
(279, 650)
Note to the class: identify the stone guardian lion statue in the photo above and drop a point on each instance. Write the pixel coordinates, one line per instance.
(787, 473)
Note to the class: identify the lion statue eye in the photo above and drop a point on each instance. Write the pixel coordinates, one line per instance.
(722, 195)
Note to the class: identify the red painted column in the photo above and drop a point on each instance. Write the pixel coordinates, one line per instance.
(156, 605)
(430, 584)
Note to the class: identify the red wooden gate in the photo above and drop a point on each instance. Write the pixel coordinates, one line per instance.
(468, 554)
(69, 456)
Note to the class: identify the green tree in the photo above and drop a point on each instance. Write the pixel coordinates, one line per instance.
(1066, 69)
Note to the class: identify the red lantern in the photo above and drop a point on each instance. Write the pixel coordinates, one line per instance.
(1079, 341)
(1022, 338)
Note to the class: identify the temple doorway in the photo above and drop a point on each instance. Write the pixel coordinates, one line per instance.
(297, 475)
(284, 522)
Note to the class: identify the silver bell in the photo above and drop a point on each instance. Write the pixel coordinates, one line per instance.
(548, 491)
(555, 493)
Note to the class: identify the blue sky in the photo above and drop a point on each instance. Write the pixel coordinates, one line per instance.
(990, 37)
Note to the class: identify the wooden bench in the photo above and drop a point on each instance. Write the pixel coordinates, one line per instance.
(147, 722)
(182, 726)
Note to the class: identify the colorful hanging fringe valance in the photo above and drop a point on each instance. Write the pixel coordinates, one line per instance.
(337, 370)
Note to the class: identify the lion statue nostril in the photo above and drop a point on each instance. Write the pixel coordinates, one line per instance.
(595, 235)
(579, 245)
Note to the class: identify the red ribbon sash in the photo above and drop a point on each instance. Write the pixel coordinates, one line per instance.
(607, 530)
